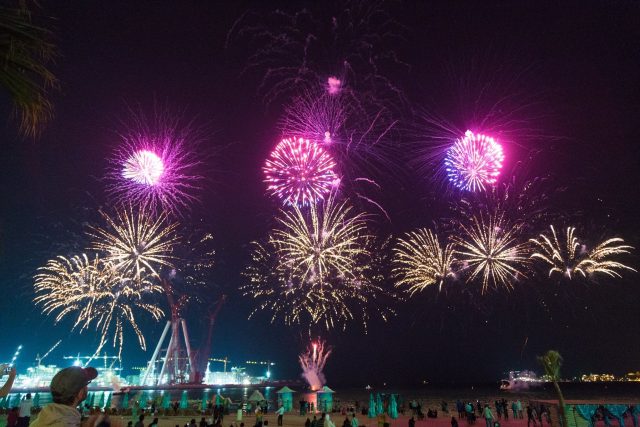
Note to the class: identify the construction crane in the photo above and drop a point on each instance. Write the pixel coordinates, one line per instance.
(15, 356)
(39, 359)
(224, 361)
(202, 356)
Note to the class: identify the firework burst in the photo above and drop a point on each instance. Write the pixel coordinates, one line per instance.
(98, 294)
(135, 242)
(420, 261)
(144, 167)
(155, 165)
(489, 248)
(569, 257)
(489, 93)
(312, 362)
(300, 172)
(474, 162)
(323, 245)
(316, 267)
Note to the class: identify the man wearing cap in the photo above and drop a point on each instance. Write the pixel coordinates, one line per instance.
(68, 389)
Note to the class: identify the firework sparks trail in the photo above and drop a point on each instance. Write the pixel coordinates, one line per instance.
(135, 242)
(200, 260)
(99, 295)
(489, 247)
(421, 261)
(523, 201)
(336, 48)
(359, 136)
(318, 117)
(312, 362)
(569, 257)
(474, 162)
(300, 172)
(155, 165)
(316, 266)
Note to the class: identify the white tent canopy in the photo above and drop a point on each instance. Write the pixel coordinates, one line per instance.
(256, 396)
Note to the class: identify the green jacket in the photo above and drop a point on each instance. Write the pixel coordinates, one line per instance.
(488, 415)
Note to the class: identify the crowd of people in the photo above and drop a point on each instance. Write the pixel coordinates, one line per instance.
(69, 388)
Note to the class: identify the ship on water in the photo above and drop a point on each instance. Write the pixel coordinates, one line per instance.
(521, 381)
(110, 375)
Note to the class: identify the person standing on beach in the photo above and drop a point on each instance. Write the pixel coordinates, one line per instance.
(505, 409)
(460, 408)
(468, 408)
(514, 408)
(280, 413)
(25, 411)
(632, 410)
(498, 409)
(488, 416)
(412, 422)
(519, 406)
(12, 417)
(531, 416)
(354, 420)
(328, 422)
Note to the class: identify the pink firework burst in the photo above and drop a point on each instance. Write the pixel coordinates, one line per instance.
(474, 161)
(300, 172)
(143, 167)
(155, 166)
(334, 85)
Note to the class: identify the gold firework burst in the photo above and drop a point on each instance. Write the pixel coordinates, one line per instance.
(315, 266)
(136, 242)
(97, 293)
(420, 261)
(321, 245)
(569, 257)
(489, 248)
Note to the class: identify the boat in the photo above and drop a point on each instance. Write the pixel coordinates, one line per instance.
(521, 380)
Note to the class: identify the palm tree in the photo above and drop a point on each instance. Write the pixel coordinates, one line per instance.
(551, 362)
(25, 52)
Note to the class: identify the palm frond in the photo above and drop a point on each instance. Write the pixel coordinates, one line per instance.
(25, 54)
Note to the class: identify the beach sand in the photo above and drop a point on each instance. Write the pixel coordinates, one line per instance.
(291, 420)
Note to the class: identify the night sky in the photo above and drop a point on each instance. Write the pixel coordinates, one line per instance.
(575, 64)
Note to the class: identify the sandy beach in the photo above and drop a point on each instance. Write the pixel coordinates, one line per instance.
(291, 420)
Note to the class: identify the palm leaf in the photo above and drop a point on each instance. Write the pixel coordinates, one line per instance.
(25, 53)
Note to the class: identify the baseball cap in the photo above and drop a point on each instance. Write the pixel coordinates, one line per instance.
(69, 381)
